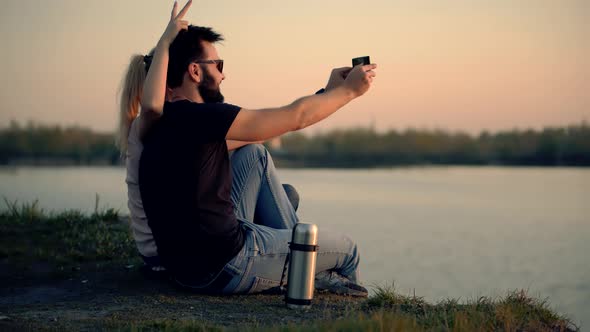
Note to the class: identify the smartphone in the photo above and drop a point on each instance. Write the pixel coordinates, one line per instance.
(363, 60)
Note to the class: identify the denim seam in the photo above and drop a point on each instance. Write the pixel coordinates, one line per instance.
(333, 252)
(274, 195)
(271, 255)
(246, 273)
(243, 187)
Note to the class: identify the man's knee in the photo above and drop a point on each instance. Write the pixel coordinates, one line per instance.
(253, 149)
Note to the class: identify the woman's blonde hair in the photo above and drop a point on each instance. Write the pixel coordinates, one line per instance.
(130, 93)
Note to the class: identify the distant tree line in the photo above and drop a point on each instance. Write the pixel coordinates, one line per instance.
(364, 147)
(36, 144)
(359, 147)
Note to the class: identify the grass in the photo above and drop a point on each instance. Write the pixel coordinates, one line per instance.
(29, 235)
(516, 311)
(387, 310)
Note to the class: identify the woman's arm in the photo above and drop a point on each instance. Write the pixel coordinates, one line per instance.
(154, 88)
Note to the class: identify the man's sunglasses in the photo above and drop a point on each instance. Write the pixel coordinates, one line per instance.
(219, 63)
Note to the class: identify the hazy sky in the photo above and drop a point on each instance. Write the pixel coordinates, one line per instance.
(461, 65)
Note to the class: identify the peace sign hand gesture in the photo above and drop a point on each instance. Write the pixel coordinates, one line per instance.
(176, 23)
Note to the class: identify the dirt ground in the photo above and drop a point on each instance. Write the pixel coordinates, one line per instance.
(96, 297)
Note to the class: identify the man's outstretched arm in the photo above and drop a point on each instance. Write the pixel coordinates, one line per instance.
(263, 124)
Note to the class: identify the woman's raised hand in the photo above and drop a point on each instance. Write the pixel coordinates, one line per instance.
(176, 23)
(154, 87)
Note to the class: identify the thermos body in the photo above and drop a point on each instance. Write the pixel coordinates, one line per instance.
(300, 284)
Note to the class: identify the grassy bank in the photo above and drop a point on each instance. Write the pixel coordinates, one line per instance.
(71, 271)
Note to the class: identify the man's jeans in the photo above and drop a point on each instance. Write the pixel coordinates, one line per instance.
(258, 195)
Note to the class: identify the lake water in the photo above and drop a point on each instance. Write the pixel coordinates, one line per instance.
(459, 232)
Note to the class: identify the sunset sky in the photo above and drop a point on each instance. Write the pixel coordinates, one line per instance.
(459, 65)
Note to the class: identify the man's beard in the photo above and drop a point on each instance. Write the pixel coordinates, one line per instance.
(208, 91)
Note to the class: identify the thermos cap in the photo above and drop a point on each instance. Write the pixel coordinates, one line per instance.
(305, 233)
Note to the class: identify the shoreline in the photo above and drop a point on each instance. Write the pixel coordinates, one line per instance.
(71, 271)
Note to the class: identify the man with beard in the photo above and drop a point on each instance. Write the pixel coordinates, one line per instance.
(185, 177)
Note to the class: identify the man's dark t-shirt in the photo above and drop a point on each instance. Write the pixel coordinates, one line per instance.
(185, 182)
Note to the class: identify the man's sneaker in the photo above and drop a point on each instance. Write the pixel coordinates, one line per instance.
(334, 283)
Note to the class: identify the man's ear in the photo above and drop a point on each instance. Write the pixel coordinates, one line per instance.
(195, 73)
(168, 93)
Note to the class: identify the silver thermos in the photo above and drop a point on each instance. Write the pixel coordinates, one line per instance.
(300, 284)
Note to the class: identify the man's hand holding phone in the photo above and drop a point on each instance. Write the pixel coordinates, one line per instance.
(337, 77)
(360, 78)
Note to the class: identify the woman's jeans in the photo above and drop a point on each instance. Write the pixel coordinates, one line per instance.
(258, 195)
